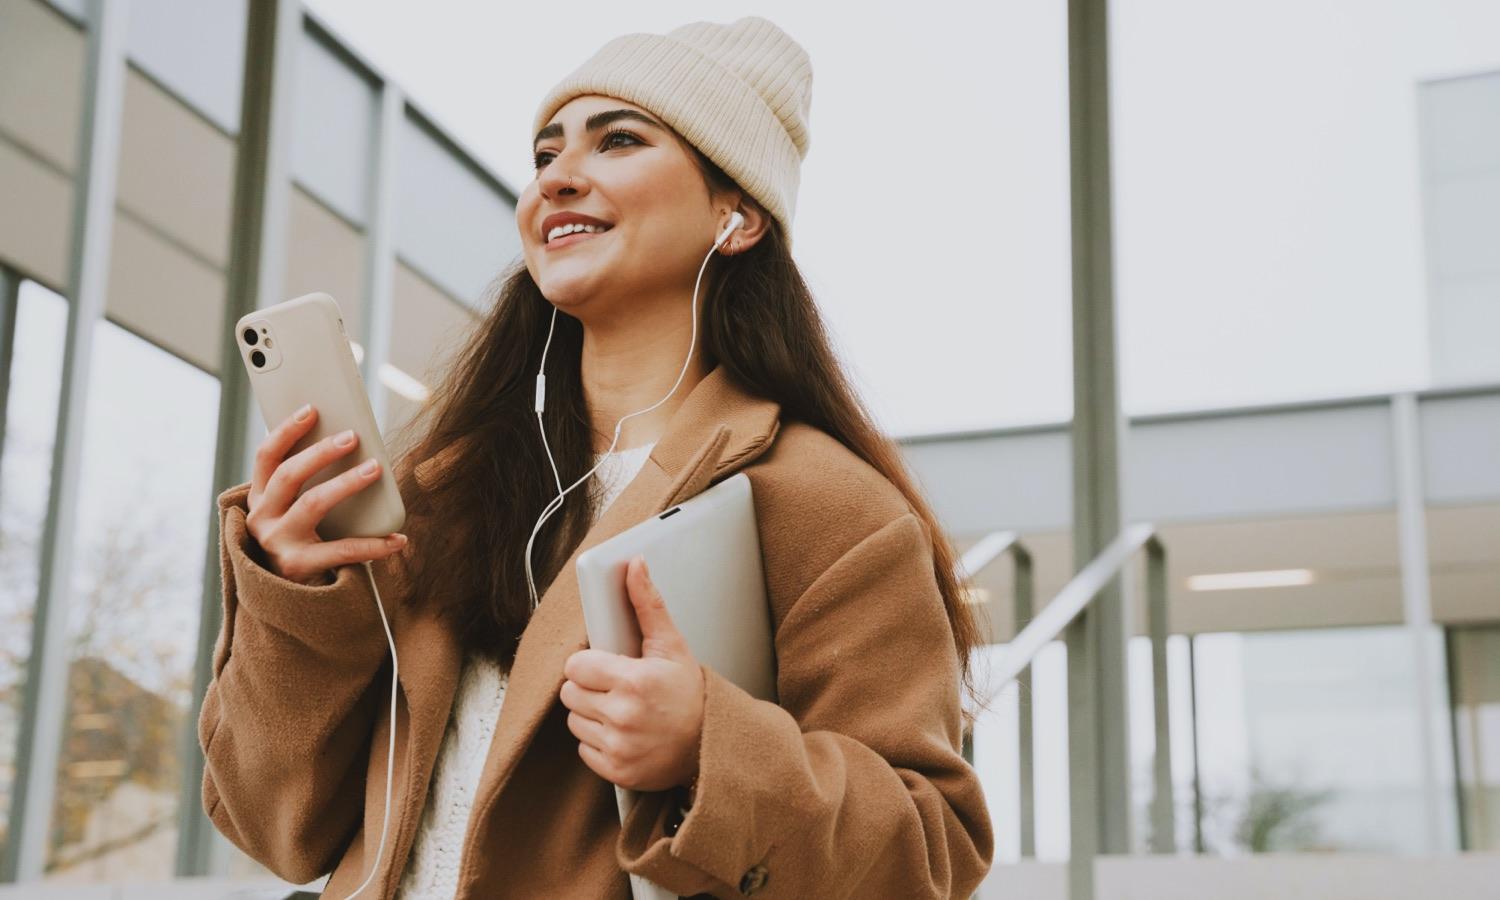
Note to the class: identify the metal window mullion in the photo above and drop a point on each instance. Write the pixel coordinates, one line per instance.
(256, 278)
(1192, 666)
(45, 699)
(10, 297)
(380, 246)
(1416, 598)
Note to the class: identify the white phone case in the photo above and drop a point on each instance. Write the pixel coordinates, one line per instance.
(306, 358)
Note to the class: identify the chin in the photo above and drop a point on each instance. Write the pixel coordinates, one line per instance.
(568, 292)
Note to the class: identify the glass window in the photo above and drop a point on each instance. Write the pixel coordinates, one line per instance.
(997, 755)
(325, 253)
(427, 327)
(1143, 740)
(1460, 135)
(176, 171)
(335, 129)
(1310, 741)
(35, 378)
(452, 225)
(1476, 730)
(195, 49)
(41, 83)
(137, 587)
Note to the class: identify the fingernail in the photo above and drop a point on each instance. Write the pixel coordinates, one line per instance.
(368, 467)
(304, 412)
(396, 540)
(345, 439)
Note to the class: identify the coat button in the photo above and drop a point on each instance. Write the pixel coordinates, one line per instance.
(753, 880)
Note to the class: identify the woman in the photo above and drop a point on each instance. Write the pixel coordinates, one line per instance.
(512, 733)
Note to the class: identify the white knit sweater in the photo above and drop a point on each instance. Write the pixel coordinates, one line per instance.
(432, 869)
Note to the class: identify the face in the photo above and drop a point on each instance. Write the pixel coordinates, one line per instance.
(633, 173)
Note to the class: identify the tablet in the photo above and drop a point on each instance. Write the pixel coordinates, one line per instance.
(704, 557)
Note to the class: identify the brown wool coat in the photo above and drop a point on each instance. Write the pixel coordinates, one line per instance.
(852, 787)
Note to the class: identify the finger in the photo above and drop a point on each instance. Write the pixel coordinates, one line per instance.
(314, 504)
(659, 634)
(274, 448)
(597, 670)
(594, 758)
(583, 701)
(326, 555)
(286, 482)
(589, 731)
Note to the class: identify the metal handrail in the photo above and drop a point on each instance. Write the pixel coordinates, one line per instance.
(1073, 599)
(1033, 634)
(987, 550)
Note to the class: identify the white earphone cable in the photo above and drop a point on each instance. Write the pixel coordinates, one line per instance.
(552, 506)
(390, 757)
(555, 504)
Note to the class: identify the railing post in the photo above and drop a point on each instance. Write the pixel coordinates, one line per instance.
(1024, 610)
(1163, 834)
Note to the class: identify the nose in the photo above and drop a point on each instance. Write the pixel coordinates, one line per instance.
(559, 180)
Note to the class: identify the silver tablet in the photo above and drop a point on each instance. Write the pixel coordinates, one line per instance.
(704, 557)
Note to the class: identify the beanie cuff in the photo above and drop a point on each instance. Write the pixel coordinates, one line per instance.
(710, 106)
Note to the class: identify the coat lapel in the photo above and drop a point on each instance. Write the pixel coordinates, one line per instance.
(718, 429)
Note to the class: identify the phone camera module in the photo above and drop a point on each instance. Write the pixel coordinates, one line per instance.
(250, 336)
(258, 358)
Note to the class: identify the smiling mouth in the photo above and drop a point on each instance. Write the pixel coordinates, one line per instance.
(574, 238)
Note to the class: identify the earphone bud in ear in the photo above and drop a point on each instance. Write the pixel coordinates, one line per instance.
(735, 221)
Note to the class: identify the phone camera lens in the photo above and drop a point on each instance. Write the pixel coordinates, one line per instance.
(250, 336)
(258, 358)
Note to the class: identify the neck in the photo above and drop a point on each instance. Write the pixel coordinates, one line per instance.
(630, 363)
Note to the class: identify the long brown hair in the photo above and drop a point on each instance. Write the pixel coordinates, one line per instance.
(758, 321)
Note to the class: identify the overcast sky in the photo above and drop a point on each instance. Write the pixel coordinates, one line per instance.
(1267, 182)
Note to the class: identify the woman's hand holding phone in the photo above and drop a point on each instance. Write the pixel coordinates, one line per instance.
(284, 523)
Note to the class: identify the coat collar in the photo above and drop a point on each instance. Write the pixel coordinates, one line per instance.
(717, 430)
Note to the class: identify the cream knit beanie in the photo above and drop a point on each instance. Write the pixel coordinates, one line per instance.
(741, 93)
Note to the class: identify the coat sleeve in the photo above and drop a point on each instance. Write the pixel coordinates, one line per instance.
(286, 721)
(854, 785)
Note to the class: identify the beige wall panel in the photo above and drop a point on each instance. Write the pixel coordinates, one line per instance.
(35, 206)
(166, 295)
(176, 170)
(324, 253)
(41, 79)
(427, 327)
(1464, 553)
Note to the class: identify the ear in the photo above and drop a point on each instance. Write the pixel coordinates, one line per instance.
(757, 220)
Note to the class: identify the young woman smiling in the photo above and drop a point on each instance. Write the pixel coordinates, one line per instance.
(513, 733)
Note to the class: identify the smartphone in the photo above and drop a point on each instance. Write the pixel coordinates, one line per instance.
(296, 352)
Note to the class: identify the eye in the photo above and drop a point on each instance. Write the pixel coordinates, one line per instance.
(605, 141)
(543, 157)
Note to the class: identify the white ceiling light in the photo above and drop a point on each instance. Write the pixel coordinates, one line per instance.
(1236, 581)
(402, 383)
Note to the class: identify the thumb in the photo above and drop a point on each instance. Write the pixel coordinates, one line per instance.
(659, 635)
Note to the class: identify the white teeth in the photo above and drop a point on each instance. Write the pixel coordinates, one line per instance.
(561, 230)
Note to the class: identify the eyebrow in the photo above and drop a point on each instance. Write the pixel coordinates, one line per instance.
(594, 123)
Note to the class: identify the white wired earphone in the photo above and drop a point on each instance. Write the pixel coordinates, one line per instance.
(735, 221)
